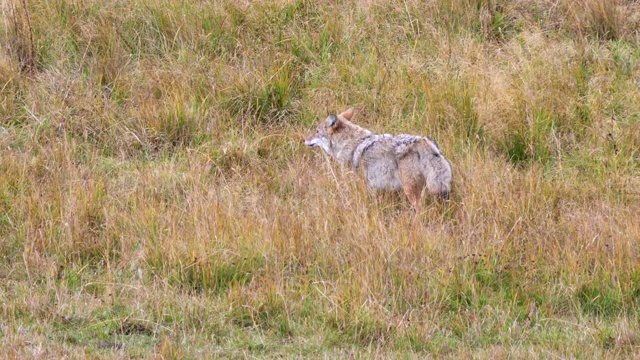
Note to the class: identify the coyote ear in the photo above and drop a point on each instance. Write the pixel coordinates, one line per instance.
(347, 114)
(331, 120)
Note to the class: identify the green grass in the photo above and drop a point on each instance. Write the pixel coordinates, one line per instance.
(157, 201)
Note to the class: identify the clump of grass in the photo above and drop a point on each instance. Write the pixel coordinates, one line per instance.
(11, 96)
(20, 42)
(214, 274)
(602, 19)
(265, 100)
(533, 140)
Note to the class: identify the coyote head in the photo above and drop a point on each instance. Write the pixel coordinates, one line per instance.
(327, 129)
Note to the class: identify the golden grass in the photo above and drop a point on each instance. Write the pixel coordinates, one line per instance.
(156, 199)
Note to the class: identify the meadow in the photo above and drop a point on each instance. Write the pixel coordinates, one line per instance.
(157, 200)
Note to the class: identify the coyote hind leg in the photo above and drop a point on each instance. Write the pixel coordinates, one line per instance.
(413, 181)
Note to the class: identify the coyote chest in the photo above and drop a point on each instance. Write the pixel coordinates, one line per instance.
(405, 162)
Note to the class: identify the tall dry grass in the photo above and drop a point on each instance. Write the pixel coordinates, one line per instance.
(156, 198)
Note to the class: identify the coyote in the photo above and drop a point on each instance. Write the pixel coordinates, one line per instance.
(408, 162)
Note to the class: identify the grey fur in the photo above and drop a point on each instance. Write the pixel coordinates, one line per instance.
(401, 162)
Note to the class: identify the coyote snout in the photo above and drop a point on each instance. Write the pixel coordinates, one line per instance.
(410, 163)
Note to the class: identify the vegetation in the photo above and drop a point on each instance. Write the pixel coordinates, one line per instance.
(156, 198)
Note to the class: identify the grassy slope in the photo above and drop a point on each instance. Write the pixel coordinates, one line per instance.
(155, 196)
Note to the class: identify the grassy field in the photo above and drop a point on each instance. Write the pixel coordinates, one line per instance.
(156, 199)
